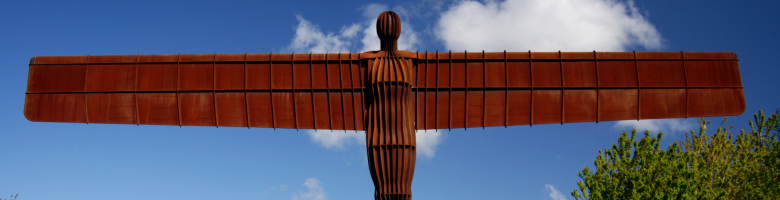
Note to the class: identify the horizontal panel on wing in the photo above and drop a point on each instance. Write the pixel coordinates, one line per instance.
(168, 58)
(576, 70)
(294, 110)
(496, 107)
(192, 73)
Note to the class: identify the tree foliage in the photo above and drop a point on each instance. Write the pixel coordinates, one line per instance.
(704, 166)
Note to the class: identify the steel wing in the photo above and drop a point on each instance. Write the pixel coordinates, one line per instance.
(301, 91)
(484, 89)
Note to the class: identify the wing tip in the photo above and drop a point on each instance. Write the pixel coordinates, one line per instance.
(741, 109)
(27, 114)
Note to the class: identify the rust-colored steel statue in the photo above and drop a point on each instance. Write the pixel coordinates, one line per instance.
(388, 93)
(390, 135)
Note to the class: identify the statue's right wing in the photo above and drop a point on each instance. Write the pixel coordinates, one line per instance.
(300, 91)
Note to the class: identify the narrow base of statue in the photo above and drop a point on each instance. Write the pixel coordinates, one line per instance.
(393, 197)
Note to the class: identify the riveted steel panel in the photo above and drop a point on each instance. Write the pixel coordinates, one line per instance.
(580, 106)
(56, 78)
(158, 108)
(229, 76)
(546, 106)
(111, 108)
(111, 78)
(197, 109)
(231, 109)
(55, 108)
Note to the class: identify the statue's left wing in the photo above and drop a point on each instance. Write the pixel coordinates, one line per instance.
(483, 89)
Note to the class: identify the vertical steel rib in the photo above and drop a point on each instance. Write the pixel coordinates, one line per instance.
(598, 86)
(563, 86)
(425, 98)
(531, 102)
(362, 90)
(352, 85)
(271, 89)
(685, 74)
(449, 95)
(327, 84)
(214, 91)
(294, 93)
(361, 80)
(466, 93)
(638, 90)
(84, 92)
(436, 98)
(246, 98)
(135, 91)
(327, 91)
(178, 82)
(341, 95)
(484, 89)
(311, 87)
(506, 91)
(416, 86)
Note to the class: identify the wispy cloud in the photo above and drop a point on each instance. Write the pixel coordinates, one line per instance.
(656, 125)
(315, 191)
(554, 193)
(337, 139)
(546, 25)
(310, 38)
(427, 141)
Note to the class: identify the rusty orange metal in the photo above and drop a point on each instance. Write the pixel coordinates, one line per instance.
(608, 86)
(388, 93)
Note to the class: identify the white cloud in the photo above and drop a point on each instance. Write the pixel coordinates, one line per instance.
(350, 31)
(554, 193)
(315, 191)
(372, 10)
(309, 37)
(427, 141)
(331, 139)
(656, 125)
(545, 25)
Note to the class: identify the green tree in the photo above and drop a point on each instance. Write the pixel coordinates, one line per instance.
(717, 166)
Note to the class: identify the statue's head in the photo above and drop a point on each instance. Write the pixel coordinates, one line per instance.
(388, 26)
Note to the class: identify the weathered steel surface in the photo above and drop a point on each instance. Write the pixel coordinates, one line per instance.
(257, 89)
(305, 91)
(390, 136)
(389, 93)
(482, 89)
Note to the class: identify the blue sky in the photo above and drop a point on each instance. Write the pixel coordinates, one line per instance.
(100, 161)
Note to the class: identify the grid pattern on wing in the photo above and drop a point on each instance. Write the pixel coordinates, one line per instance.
(484, 89)
(450, 89)
(301, 91)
